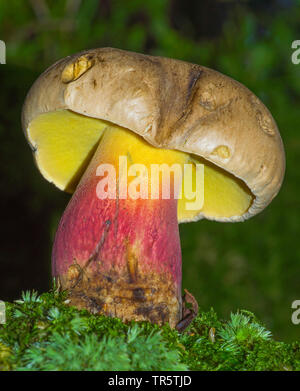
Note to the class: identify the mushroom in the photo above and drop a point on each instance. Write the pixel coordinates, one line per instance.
(120, 255)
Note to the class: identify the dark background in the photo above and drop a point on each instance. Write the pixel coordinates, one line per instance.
(252, 265)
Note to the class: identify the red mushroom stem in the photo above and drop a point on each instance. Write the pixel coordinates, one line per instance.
(121, 257)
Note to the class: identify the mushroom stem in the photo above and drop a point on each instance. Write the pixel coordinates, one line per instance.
(121, 256)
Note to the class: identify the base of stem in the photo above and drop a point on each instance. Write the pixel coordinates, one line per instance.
(152, 297)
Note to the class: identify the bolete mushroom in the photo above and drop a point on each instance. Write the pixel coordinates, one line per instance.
(120, 255)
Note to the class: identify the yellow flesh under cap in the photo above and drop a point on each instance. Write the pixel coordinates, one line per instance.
(64, 143)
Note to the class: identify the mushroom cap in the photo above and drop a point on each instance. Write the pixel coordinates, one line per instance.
(172, 104)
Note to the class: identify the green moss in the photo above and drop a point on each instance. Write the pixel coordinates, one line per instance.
(43, 333)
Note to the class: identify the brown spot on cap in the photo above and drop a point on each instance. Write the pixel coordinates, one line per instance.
(264, 120)
(265, 123)
(74, 70)
(207, 98)
(222, 151)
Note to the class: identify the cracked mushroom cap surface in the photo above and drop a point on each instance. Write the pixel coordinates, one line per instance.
(172, 104)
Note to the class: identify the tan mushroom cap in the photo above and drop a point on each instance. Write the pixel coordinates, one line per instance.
(172, 104)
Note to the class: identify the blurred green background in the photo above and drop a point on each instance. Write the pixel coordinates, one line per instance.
(252, 265)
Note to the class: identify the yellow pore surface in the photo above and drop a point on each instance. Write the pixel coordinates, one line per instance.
(64, 143)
